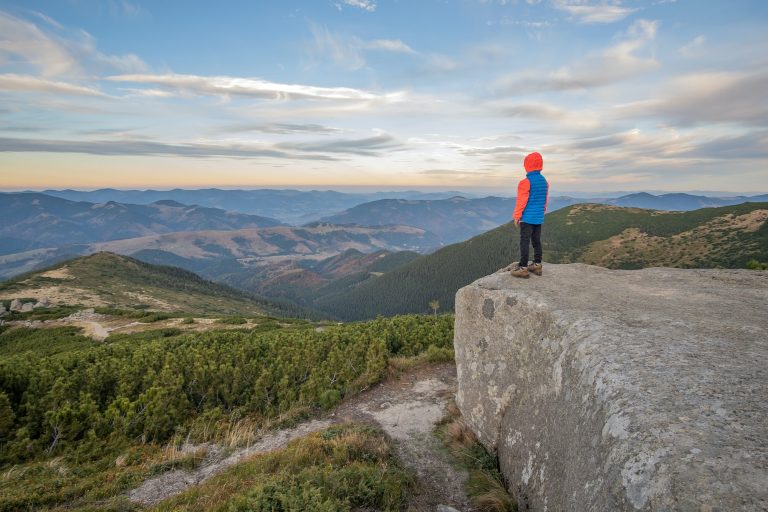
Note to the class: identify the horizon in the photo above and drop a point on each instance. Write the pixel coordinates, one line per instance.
(625, 95)
(367, 190)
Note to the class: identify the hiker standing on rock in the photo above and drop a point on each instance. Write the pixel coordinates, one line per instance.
(532, 197)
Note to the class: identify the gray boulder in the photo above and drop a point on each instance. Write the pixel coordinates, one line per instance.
(27, 307)
(609, 390)
(43, 303)
(15, 305)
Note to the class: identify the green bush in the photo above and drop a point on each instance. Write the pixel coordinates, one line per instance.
(346, 467)
(232, 320)
(68, 393)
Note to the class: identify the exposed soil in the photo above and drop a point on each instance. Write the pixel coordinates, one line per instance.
(407, 409)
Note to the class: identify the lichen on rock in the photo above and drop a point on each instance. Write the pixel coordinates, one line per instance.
(613, 390)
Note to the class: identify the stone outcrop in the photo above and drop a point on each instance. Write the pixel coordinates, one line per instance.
(15, 305)
(608, 390)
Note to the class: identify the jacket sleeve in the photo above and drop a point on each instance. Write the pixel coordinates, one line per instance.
(546, 200)
(523, 192)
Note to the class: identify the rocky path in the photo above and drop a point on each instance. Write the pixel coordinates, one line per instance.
(406, 408)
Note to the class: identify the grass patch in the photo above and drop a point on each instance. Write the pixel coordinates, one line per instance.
(232, 320)
(343, 468)
(433, 354)
(485, 485)
(43, 313)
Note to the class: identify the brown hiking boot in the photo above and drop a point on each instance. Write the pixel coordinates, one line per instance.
(535, 268)
(519, 271)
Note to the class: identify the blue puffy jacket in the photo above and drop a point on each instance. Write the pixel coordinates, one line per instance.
(532, 197)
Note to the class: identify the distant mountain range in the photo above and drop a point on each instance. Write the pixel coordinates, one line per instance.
(606, 235)
(216, 254)
(290, 206)
(298, 206)
(32, 220)
(452, 220)
(679, 202)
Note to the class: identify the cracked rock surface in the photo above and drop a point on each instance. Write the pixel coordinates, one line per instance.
(609, 390)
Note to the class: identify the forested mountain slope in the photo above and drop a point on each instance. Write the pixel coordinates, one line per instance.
(604, 235)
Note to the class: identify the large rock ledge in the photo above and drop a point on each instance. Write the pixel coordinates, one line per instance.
(608, 390)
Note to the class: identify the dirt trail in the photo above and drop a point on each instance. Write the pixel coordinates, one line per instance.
(407, 409)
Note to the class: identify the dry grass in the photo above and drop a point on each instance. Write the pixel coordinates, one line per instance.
(488, 494)
(402, 364)
(485, 486)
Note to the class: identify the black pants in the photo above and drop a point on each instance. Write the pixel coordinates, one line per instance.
(530, 233)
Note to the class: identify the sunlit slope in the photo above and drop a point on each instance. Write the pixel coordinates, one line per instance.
(106, 279)
(604, 235)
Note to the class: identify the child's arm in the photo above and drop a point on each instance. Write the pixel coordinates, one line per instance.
(523, 192)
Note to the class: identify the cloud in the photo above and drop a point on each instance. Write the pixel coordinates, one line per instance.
(453, 173)
(149, 148)
(390, 45)
(547, 112)
(370, 146)
(753, 145)
(583, 11)
(613, 64)
(705, 98)
(123, 8)
(26, 83)
(56, 52)
(22, 42)
(346, 52)
(693, 47)
(349, 51)
(366, 5)
(492, 150)
(312, 150)
(254, 88)
(281, 128)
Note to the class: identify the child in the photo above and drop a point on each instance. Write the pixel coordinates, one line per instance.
(532, 197)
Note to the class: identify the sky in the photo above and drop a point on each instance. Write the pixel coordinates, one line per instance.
(432, 94)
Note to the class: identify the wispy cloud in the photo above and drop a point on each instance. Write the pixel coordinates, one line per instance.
(618, 62)
(707, 98)
(150, 148)
(23, 43)
(26, 83)
(119, 145)
(253, 87)
(280, 128)
(349, 51)
(125, 8)
(390, 45)
(549, 112)
(56, 51)
(453, 172)
(585, 11)
(366, 5)
(693, 47)
(370, 146)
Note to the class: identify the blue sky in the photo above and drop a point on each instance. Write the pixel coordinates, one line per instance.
(617, 95)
